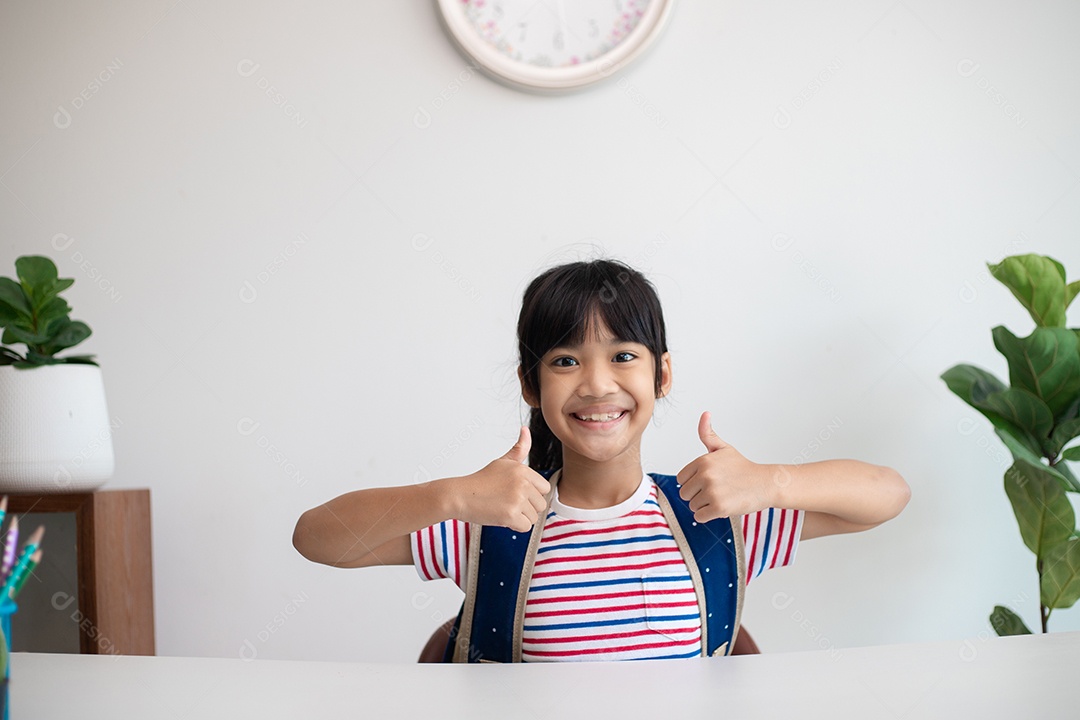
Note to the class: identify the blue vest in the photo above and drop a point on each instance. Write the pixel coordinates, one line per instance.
(488, 627)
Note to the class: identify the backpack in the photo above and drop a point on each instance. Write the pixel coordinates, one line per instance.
(500, 568)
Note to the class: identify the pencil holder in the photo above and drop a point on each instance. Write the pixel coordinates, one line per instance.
(7, 609)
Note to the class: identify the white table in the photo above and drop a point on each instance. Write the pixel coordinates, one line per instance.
(1019, 677)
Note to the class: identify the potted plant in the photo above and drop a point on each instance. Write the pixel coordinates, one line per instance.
(55, 425)
(1036, 415)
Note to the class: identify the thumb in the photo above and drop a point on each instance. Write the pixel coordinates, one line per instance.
(708, 435)
(520, 451)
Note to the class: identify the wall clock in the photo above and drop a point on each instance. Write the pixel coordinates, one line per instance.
(553, 45)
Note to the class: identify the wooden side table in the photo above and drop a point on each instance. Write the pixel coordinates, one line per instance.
(115, 582)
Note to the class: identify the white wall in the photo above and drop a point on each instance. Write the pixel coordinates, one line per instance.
(815, 189)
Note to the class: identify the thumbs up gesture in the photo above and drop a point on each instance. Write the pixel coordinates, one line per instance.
(722, 482)
(505, 492)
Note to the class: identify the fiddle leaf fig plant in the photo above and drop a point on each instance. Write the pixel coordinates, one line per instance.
(33, 313)
(1036, 415)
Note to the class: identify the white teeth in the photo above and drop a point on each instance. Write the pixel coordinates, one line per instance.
(602, 417)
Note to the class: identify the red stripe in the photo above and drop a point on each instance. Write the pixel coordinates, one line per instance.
(605, 596)
(753, 547)
(618, 648)
(612, 636)
(434, 559)
(420, 552)
(636, 513)
(590, 610)
(606, 556)
(791, 540)
(457, 558)
(779, 538)
(605, 530)
(615, 568)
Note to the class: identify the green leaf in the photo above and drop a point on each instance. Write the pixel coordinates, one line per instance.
(1038, 282)
(12, 295)
(70, 335)
(973, 385)
(1072, 453)
(8, 356)
(1046, 363)
(1017, 447)
(1070, 292)
(1060, 584)
(1006, 622)
(37, 274)
(1063, 433)
(1042, 511)
(1072, 484)
(55, 309)
(14, 334)
(79, 360)
(1022, 409)
(1021, 451)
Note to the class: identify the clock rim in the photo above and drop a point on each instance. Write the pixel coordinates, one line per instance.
(553, 80)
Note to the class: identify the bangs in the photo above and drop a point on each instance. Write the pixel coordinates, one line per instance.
(561, 308)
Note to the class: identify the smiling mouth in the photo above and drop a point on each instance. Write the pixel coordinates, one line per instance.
(598, 418)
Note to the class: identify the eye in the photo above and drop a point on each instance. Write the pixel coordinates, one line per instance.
(629, 355)
(556, 362)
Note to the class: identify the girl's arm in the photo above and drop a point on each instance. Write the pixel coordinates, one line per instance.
(838, 496)
(372, 527)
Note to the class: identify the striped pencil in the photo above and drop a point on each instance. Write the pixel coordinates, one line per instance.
(10, 546)
(34, 560)
(17, 574)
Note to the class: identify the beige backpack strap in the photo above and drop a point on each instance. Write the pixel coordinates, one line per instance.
(527, 570)
(691, 564)
(464, 636)
(740, 558)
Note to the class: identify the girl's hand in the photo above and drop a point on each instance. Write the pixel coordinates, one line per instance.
(722, 482)
(505, 492)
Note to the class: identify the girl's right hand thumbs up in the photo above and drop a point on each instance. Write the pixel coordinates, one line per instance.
(505, 492)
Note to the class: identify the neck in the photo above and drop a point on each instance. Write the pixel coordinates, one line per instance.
(589, 484)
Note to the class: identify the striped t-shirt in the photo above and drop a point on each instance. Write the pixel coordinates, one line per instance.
(610, 583)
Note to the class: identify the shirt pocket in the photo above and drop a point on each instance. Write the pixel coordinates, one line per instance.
(670, 605)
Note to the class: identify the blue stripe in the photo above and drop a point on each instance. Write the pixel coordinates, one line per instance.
(768, 537)
(445, 561)
(596, 583)
(604, 623)
(602, 543)
(695, 653)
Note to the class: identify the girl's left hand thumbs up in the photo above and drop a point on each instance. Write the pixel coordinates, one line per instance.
(722, 482)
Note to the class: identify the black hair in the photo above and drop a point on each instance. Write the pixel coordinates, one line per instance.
(556, 309)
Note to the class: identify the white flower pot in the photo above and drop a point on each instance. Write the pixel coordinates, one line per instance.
(54, 429)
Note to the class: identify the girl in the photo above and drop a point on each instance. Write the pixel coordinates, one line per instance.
(579, 554)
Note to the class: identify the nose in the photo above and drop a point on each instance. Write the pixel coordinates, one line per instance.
(597, 381)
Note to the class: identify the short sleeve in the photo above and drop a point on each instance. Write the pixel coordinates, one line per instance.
(770, 537)
(442, 551)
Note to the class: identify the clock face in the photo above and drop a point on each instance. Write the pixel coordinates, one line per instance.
(554, 33)
(553, 45)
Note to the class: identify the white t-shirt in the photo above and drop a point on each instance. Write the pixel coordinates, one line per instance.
(610, 583)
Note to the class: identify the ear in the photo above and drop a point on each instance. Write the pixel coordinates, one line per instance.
(665, 374)
(525, 391)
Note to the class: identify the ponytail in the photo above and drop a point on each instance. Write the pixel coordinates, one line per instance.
(546, 450)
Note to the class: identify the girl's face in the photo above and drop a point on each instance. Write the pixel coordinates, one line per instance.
(598, 397)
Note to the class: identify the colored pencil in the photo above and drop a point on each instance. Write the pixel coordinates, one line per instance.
(3, 509)
(17, 574)
(34, 560)
(11, 544)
